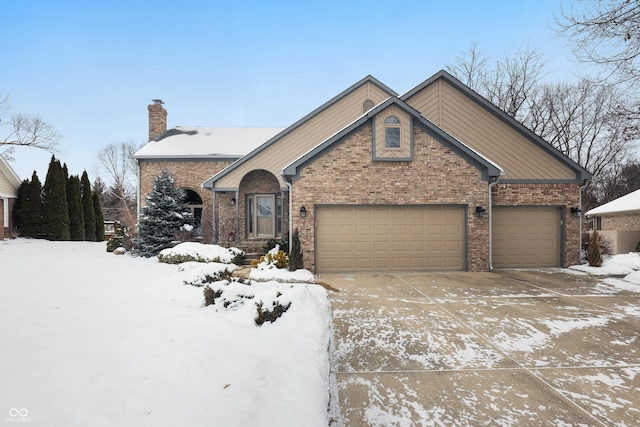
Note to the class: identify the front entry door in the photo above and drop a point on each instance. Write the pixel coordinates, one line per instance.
(264, 216)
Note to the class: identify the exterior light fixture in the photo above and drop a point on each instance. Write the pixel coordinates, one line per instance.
(233, 202)
(480, 211)
(576, 211)
(303, 212)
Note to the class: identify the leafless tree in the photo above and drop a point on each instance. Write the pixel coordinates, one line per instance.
(24, 130)
(586, 122)
(511, 83)
(605, 33)
(117, 163)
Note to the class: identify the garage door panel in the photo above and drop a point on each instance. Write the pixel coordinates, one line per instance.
(390, 238)
(526, 237)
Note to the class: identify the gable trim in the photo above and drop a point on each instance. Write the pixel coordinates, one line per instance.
(581, 173)
(210, 183)
(7, 170)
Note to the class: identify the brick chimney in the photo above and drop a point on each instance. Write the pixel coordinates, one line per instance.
(157, 119)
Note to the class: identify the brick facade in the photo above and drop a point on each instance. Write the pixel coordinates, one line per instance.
(557, 195)
(187, 174)
(622, 221)
(347, 174)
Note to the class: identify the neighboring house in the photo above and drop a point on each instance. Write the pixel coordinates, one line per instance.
(619, 222)
(9, 184)
(435, 179)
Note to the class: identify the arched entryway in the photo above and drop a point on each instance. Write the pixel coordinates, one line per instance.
(262, 205)
(194, 201)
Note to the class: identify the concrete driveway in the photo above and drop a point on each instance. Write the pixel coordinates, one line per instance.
(511, 348)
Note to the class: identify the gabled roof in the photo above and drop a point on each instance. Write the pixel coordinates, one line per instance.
(581, 173)
(183, 142)
(486, 166)
(628, 203)
(9, 173)
(368, 79)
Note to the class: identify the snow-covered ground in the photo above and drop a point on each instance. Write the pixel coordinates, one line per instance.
(91, 338)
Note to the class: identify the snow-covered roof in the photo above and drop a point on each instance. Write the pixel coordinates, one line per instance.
(628, 203)
(206, 142)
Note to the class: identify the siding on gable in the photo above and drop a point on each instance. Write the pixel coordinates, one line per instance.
(306, 136)
(467, 121)
(6, 188)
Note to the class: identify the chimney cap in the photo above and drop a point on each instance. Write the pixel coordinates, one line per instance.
(157, 101)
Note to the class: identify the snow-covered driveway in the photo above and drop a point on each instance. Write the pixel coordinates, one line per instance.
(511, 348)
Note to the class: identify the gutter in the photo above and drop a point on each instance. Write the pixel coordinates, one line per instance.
(493, 181)
(138, 193)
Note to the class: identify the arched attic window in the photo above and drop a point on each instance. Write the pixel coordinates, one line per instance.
(194, 201)
(392, 132)
(367, 105)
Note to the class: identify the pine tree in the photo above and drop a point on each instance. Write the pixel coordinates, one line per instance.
(99, 218)
(295, 256)
(87, 208)
(162, 217)
(18, 207)
(76, 213)
(55, 224)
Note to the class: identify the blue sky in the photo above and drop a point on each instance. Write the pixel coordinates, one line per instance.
(91, 68)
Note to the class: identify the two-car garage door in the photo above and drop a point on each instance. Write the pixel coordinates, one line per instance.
(402, 238)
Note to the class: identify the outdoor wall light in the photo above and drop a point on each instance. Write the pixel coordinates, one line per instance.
(480, 211)
(303, 212)
(576, 211)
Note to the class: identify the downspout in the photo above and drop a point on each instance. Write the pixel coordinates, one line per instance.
(288, 184)
(138, 193)
(492, 181)
(237, 238)
(582, 187)
(214, 238)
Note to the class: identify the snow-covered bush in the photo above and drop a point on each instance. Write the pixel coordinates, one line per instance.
(199, 252)
(270, 315)
(210, 296)
(275, 258)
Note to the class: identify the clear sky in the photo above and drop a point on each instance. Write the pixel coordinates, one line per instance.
(90, 68)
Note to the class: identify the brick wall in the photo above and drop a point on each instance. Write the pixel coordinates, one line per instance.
(567, 195)
(187, 174)
(629, 221)
(346, 174)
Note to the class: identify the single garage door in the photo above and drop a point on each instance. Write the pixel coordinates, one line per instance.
(379, 238)
(526, 237)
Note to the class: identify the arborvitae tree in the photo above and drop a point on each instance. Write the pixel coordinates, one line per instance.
(32, 209)
(162, 217)
(295, 256)
(87, 207)
(55, 224)
(99, 218)
(18, 207)
(76, 213)
(594, 256)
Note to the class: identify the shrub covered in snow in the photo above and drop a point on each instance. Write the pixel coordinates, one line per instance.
(199, 274)
(275, 258)
(266, 315)
(295, 257)
(199, 252)
(210, 296)
(594, 256)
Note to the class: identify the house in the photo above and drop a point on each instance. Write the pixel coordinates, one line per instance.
(619, 222)
(9, 184)
(435, 179)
